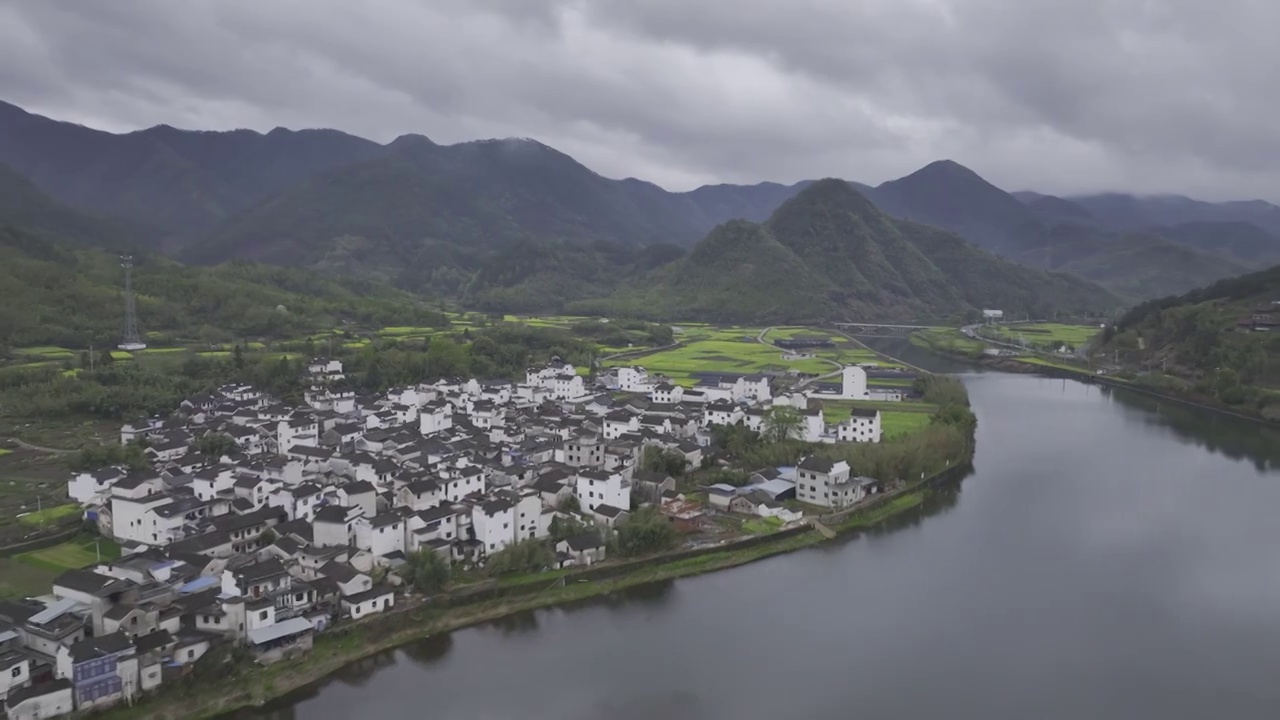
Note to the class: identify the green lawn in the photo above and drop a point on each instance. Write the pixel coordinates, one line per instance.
(71, 554)
(49, 515)
(5, 451)
(761, 526)
(121, 355)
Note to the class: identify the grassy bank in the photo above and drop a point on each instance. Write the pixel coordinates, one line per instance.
(250, 685)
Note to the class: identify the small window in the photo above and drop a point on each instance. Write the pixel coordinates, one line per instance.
(262, 615)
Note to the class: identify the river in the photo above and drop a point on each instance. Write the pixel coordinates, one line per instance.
(1109, 557)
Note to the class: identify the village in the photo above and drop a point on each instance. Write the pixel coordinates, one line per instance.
(260, 525)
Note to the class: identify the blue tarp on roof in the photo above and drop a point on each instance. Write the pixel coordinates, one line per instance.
(201, 583)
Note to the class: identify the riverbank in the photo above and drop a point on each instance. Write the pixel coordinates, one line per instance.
(1062, 370)
(1058, 371)
(249, 685)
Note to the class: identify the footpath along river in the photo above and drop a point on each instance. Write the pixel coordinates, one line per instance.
(1109, 557)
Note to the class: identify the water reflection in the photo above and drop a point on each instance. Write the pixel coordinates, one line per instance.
(1236, 438)
(648, 596)
(1096, 569)
(429, 650)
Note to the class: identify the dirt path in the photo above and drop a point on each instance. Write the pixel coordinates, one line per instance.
(39, 448)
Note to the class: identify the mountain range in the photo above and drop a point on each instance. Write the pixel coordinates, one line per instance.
(513, 224)
(60, 277)
(829, 253)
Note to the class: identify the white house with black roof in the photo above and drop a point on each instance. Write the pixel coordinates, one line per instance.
(863, 425)
(828, 483)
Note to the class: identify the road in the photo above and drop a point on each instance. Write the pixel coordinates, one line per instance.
(838, 367)
(39, 448)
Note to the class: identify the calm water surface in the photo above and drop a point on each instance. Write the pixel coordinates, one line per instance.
(1108, 558)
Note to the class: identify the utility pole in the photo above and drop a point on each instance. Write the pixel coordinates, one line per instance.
(132, 341)
(91, 359)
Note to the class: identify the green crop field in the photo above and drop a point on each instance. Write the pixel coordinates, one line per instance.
(736, 349)
(895, 423)
(49, 515)
(1060, 364)
(72, 554)
(46, 351)
(19, 579)
(1039, 333)
(408, 331)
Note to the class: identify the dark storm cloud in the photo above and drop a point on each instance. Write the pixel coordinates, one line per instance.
(1171, 96)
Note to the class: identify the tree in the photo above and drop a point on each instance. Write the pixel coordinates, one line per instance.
(426, 571)
(661, 460)
(647, 531)
(526, 556)
(736, 439)
(571, 505)
(446, 357)
(237, 357)
(566, 526)
(782, 423)
(215, 445)
(106, 359)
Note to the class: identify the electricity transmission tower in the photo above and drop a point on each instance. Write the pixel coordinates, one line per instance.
(132, 341)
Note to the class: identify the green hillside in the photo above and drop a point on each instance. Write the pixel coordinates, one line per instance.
(1206, 340)
(828, 253)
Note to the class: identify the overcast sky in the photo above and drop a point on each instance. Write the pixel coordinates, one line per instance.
(1055, 95)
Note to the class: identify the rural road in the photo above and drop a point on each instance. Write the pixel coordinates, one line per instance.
(38, 448)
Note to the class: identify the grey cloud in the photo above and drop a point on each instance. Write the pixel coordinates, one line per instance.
(1086, 95)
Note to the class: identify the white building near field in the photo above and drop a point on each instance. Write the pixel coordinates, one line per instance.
(853, 383)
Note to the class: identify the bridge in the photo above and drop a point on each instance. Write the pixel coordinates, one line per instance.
(870, 328)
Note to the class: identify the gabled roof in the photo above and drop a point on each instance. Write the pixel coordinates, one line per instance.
(585, 541)
(608, 511)
(332, 514)
(96, 647)
(87, 581)
(339, 572)
(813, 463)
(20, 695)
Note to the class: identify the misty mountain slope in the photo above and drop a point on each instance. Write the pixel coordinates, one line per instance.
(25, 206)
(183, 182)
(830, 254)
(950, 196)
